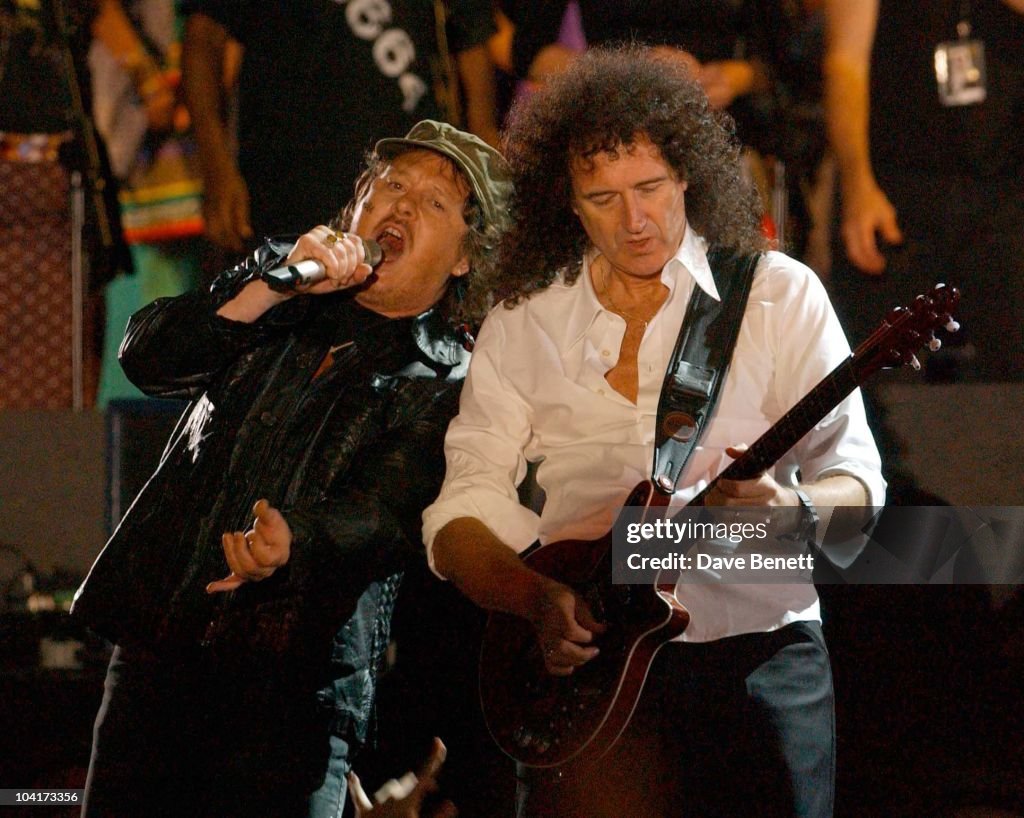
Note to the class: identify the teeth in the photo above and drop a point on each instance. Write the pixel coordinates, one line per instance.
(390, 231)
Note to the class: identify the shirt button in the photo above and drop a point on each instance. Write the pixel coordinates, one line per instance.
(268, 419)
(605, 353)
(600, 391)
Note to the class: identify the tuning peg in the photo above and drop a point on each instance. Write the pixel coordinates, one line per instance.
(952, 325)
(934, 344)
(914, 363)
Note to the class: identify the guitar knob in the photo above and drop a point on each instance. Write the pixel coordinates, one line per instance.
(934, 344)
(952, 325)
(914, 363)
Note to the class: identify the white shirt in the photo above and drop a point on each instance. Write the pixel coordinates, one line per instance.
(536, 391)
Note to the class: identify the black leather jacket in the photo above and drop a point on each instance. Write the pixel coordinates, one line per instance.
(351, 457)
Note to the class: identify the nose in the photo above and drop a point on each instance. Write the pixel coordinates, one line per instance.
(633, 217)
(403, 205)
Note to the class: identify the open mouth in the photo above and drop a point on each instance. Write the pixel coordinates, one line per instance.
(392, 243)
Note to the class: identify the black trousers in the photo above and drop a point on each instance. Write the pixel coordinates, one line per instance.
(177, 736)
(740, 726)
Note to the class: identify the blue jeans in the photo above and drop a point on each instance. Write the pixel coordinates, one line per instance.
(329, 800)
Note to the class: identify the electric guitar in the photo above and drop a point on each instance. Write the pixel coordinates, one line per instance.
(563, 722)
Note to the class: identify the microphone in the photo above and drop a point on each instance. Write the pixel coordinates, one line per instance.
(310, 271)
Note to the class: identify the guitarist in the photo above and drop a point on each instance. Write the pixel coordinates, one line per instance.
(624, 180)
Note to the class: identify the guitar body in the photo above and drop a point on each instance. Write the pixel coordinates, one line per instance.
(547, 721)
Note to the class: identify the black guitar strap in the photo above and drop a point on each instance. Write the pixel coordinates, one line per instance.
(699, 364)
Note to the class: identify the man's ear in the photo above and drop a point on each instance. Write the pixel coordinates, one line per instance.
(461, 268)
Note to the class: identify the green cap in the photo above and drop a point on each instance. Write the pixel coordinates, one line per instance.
(486, 170)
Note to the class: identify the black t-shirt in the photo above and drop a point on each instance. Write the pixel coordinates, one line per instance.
(321, 82)
(910, 129)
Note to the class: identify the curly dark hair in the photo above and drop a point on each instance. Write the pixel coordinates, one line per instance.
(603, 103)
(468, 297)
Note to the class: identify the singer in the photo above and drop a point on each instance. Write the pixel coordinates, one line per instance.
(249, 589)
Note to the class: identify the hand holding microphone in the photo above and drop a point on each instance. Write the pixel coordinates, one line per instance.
(324, 261)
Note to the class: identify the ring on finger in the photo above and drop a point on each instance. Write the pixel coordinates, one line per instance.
(331, 238)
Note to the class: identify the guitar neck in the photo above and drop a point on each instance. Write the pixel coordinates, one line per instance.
(791, 427)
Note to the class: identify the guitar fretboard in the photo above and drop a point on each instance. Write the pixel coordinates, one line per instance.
(791, 427)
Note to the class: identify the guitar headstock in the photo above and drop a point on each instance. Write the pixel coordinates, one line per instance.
(906, 329)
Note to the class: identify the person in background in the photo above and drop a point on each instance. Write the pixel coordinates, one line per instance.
(724, 45)
(50, 155)
(318, 83)
(519, 26)
(139, 113)
(925, 105)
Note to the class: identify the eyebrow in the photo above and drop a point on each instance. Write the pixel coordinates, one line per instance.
(437, 189)
(444, 194)
(591, 194)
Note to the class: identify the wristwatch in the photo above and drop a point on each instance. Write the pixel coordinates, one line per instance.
(808, 529)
